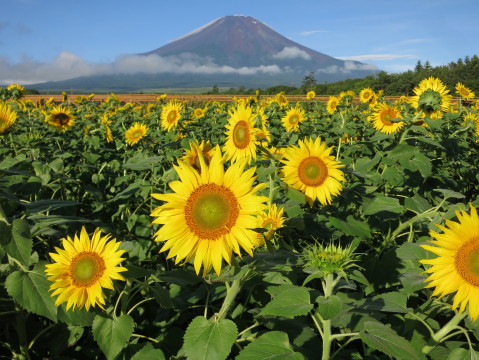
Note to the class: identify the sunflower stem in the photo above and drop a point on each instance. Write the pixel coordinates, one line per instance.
(442, 333)
(231, 292)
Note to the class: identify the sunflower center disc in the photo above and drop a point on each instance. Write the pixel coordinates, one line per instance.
(293, 119)
(467, 261)
(387, 116)
(86, 268)
(62, 118)
(312, 171)
(211, 211)
(241, 135)
(171, 116)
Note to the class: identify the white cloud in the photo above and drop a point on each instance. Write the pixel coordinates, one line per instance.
(377, 57)
(348, 67)
(67, 65)
(292, 52)
(311, 32)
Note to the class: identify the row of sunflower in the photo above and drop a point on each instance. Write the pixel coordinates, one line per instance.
(272, 217)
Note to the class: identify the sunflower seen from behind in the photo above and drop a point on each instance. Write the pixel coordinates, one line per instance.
(241, 133)
(61, 118)
(293, 117)
(311, 169)
(135, 133)
(431, 97)
(83, 267)
(7, 117)
(210, 214)
(387, 118)
(456, 267)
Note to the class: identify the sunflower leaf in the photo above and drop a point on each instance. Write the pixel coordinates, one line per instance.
(271, 345)
(383, 203)
(112, 334)
(20, 244)
(290, 302)
(30, 290)
(209, 340)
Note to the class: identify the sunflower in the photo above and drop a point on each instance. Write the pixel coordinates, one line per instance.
(281, 99)
(332, 104)
(270, 220)
(366, 94)
(382, 117)
(83, 267)
(464, 92)
(171, 115)
(241, 134)
(210, 214)
(135, 133)
(310, 95)
(293, 117)
(61, 118)
(431, 96)
(310, 169)
(456, 269)
(7, 117)
(196, 150)
(198, 113)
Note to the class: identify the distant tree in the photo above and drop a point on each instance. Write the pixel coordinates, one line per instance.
(215, 89)
(309, 82)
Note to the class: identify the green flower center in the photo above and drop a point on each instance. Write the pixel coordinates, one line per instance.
(241, 135)
(211, 211)
(86, 268)
(293, 119)
(467, 261)
(312, 171)
(172, 116)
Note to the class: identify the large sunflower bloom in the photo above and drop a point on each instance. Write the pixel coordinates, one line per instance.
(366, 94)
(210, 214)
(241, 134)
(431, 96)
(464, 92)
(171, 115)
(135, 133)
(310, 169)
(7, 117)
(382, 117)
(456, 269)
(61, 118)
(83, 267)
(293, 117)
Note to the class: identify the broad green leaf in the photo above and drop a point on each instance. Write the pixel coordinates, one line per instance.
(20, 245)
(352, 227)
(9, 161)
(364, 165)
(448, 194)
(296, 195)
(462, 354)
(112, 334)
(76, 317)
(388, 302)
(209, 340)
(383, 203)
(386, 340)
(417, 204)
(273, 345)
(30, 290)
(48, 205)
(148, 352)
(161, 295)
(417, 161)
(139, 162)
(329, 307)
(290, 302)
(180, 277)
(412, 251)
(5, 233)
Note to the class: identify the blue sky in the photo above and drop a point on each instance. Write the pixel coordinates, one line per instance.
(44, 40)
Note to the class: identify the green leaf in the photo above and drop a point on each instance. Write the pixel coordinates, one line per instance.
(148, 352)
(450, 194)
(383, 203)
(296, 195)
(140, 162)
(290, 302)
(76, 317)
(48, 205)
(416, 161)
(383, 338)
(112, 334)
(6, 233)
(9, 162)
(30, 290)
(417, 204)
(364, 165)
(329, 307)
(271, 345)
(412, 251)
(209, 340)
(462, 354)
(388, 302)
(20, 245)
(352, 227)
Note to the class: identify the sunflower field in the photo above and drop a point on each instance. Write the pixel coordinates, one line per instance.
(250, 229)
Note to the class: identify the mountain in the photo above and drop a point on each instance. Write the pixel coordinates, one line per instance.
(230, 51)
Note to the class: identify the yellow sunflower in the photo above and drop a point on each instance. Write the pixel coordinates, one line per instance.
(366, 94)
(464, 92)
(310, 95)
(83, 267)
(311, 169)
(135, 133)
(7, 117)
(198, 113)
(271, 220)
(431, 96)
(332, 104)
(210, 214)
(456, 269)
(171, 115)
(196, 150)
(383, 116)
(241, 134)
(281, 99)
(293, 117)
(61, 118)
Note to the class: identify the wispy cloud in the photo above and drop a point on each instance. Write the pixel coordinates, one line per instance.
(292, 53)
(349, 66)
(311, 32)
(377, 57)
